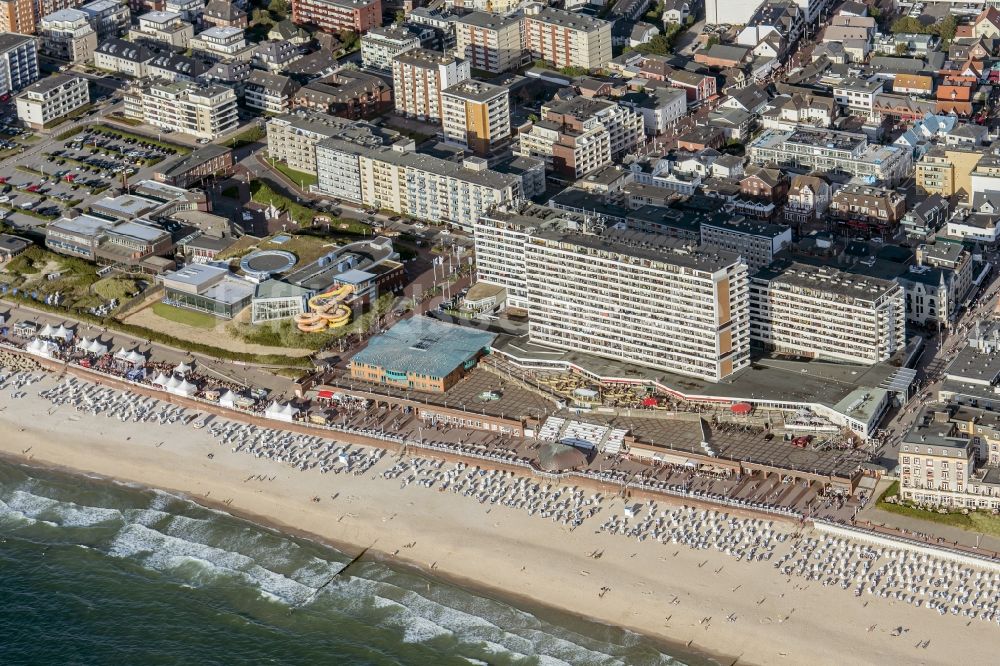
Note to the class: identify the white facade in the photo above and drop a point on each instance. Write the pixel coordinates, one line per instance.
(419, 76)
(824, 313)
(18, 62)
(67, 35)
(167, 27)
(204, 111)
(51, 99)
(380, 45)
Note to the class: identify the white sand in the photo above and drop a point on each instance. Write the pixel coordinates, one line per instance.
(798, 622)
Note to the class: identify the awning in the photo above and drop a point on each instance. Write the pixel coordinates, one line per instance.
(650, 402)
(326, 395)
(741, 408)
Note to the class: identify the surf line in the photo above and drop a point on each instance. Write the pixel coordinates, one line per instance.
(329, 580)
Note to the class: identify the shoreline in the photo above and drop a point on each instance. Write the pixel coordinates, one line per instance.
(350, 549)
(673, 595)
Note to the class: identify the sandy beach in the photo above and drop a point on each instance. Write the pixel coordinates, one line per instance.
(756, 614)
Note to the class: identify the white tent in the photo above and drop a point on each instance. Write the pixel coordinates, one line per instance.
(121, 354)
(183, 387)
(47, 331)
(135, 358)
(280, 412)
(182, 369)
(63, 333)
(44, 348)
(160, 379)
(83, 344)
(172, 383)
(98, 348)
(228, 399)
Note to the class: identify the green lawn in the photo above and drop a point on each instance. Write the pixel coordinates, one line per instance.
(246, 137)
(975, 521)
(183, 316)
(300, 178)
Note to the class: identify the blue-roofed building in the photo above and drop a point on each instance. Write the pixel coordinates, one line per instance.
(422, 354)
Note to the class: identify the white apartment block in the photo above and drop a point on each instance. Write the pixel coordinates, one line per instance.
(566, 39)
(203, 111)
(226, 42)
(937, 463)
(822, 312)
(419, 76)
(292, 138)
(383, 43)
(832, 151)
(490, 42)
(67, 35)
(51, 98)
(167, 27)
(358, 167)
(476, 115)
(634, 297)
(18, 62)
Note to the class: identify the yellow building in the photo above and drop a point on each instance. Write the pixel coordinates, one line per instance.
(947, 170)
(476, 115)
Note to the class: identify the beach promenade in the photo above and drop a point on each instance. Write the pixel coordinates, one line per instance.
(681, 592)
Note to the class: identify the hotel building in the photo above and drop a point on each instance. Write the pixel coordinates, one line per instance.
(204, 111)
(629, 296)
(832, 151)
(419, 76)
(822, 312)
(490, 42)
(476, 115)
(566, 39)
(51, 98)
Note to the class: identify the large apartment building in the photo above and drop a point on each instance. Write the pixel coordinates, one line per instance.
(358, 16)
(292, 138)
(490, 42)
(822, 312)
(51, 98)
(625, 295)
(578, 135)
(566, 39)
(476, 115)
(419, 76)
(67, 35)
(383, 43)
(18, 62)
(204, 111)
(110, 19)
(357, 165)
(17, 16)
(832, 151)
(167, 27)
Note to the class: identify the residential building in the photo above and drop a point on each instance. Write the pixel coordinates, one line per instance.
(822, 312)
(286, 31)
(857, 95)
(808, 199)
(17, 16)
(170, 66)
(566, 39)
(659, 107)
(383, 43)
(275, 56)
(938, 464)
(52, 98)
(189, 170)
(67, 35)
(787, 112)
(204, 111)
(832, 151)
(578, 135)
(923, 220)
(348, 94)
(755, 242)
(947, 170)
(764, 184)
(722, 56)
(626, 295)
(18, 62)
(476, 115)
(167, 27)
(270, 93)
(490, 42)
(358, 166)
(190, 10)
(699, 87)
(419, 76)
(109, 18)
(675, 12)
(124, 57)
(359, 16)
(867, 210)
(224, 42)
(292, 138)
(937, 284)
(913, 84)
(224, 14)
(987, 24)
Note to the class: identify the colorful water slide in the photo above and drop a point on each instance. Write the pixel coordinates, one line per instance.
(326, 311)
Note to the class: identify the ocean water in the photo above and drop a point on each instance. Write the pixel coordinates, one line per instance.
(93, 572)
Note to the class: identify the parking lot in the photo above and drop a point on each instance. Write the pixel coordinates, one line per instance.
(74, 171)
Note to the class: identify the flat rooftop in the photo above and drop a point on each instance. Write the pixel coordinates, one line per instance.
(196, 275)
(424, 346)
(826, 279)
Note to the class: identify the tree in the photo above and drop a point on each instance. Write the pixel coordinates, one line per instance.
(658, 45)
(908, 24)
(278, 9)
(947, 27)
(262, 17)
(400, 16)
(902, 48)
